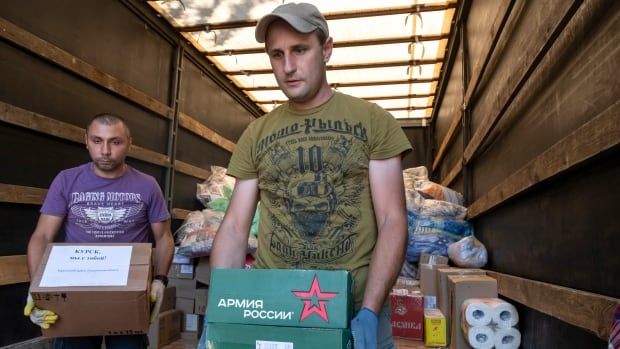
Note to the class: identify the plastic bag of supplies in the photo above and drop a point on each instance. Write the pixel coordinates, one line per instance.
(216, 188)
(468, 252)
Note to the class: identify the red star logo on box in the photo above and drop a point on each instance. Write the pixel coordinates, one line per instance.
(314, 300)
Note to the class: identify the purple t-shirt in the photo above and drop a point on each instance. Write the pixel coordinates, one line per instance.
(105, 210)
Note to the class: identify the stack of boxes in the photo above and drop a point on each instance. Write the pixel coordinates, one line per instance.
(433, 311)
(188, 290)
(279, 309)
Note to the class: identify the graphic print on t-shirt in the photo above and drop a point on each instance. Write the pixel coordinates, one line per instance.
(105, 214)
(313, 167)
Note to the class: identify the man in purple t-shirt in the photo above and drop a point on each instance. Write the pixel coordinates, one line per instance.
(103, 201)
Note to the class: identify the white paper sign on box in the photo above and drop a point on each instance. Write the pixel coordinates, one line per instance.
(87, 266)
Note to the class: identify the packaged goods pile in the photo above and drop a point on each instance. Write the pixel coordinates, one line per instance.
(195, 236)
(435, 217)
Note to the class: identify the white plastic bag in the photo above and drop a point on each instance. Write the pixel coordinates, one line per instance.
(468, 252)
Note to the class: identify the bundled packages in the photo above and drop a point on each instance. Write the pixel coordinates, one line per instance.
(196, 234)
(435, 218)
(490, 323)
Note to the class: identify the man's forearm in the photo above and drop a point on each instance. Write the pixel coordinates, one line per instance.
(385, 265)
(164, 250)
(36, 248)
(229, 249)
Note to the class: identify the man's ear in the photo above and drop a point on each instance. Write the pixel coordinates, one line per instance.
(328, 47)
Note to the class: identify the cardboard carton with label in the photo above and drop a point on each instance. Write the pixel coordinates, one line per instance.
(95, 289)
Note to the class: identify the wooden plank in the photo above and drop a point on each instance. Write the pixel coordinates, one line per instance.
(191, 170)
(37, 122)
(149, 156)
(18, 194)
(592, 138)
(447, 140)
(40, 123)
(203, 131)
(13, 270)
(590, 311)
(179, 213)
(477, 73)
(452, 174)
(532, 56)
(40, 47)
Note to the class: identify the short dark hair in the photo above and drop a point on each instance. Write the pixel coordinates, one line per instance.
(108, 119)
(321, 35)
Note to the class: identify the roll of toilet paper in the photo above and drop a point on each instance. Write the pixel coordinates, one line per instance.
(477, 311)
(504, 314)
(507, 338)
(480, 337)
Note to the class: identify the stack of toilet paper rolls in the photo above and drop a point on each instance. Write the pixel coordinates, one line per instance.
(490, 323)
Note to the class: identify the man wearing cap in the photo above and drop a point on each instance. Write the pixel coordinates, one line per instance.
(327, 169)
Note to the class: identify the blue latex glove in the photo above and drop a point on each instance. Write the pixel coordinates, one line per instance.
(364, 329)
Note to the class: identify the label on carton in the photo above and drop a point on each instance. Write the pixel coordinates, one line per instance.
(87, 266)
(273, 345)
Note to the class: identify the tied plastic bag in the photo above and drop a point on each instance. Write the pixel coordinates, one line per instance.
(197, 220)
(433, 235)
(215, 189)
(414, 200)
(439, 208)
(439, 192)
(468, 252)
(414, 174)
(195, 236)
(424, 205)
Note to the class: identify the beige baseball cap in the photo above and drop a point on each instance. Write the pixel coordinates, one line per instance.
(303, 17)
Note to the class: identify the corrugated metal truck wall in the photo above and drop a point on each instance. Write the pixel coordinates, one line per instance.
(61, 63)
(535, 150)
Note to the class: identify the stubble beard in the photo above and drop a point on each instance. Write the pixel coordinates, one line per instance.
(107, 165)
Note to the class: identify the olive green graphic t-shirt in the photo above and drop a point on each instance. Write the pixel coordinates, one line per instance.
(312, 169)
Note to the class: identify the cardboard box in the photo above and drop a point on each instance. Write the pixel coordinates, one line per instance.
(443, 296)
(407, 313)
(181, 271)
(111, 280)
(180, 259)
(228, 336)
(434, 328)
(186, 305)
(428, 283)
(406, 281)
(191, 337)
(170, 295)
(166, 329)
(427, 258)
(203, 270)
(192, 323)
(463, 287)
(281, 297)
(200, 303)
(185, 288)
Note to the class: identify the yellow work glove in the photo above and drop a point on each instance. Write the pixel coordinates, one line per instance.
(40, 317)
(157, 296)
